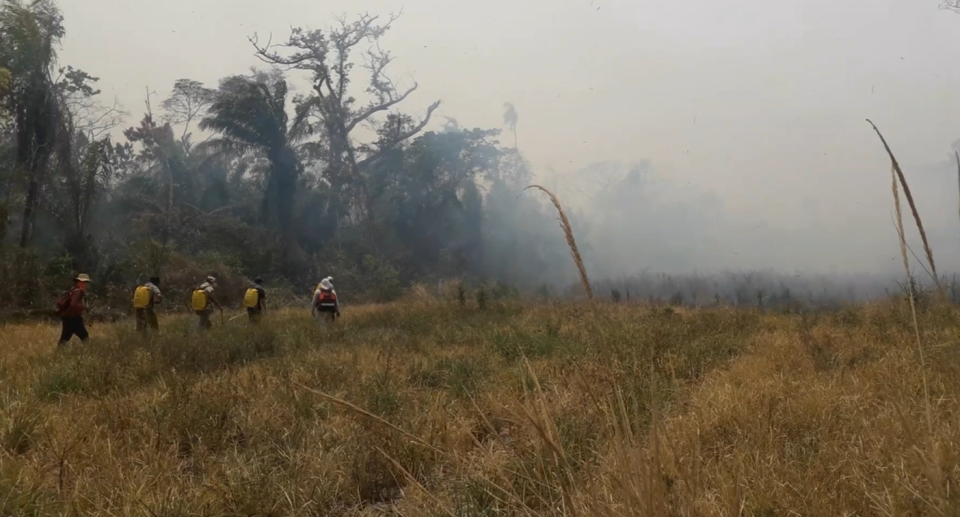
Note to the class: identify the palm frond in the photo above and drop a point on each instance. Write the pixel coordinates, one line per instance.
(226, 146)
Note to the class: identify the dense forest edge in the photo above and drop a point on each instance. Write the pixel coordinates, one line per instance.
(303, 168)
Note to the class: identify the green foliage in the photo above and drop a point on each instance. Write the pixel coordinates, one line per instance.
(513, 345)
(373, 279)
(283, 189)
(462, 376)
(249, 114)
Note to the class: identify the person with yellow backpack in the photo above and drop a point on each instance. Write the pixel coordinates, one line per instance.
(144, 299)
(255, 300)
(203, 302)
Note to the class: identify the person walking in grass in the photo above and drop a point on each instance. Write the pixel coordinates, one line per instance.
(204, 301)
(71, 308)
(255, 300)
(325, 306)
(145, 297)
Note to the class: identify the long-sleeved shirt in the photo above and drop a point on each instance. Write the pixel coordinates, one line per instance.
(155, 296)
(208, 288)
(77, 304)
(261, 296)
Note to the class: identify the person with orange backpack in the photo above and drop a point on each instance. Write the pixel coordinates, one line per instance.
(325, 305)
(70, 308)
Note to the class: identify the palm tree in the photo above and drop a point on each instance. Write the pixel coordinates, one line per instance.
(249, 115)
(510, 118)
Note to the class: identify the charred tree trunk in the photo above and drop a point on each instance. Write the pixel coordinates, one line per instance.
(36, 122)
(30, 203)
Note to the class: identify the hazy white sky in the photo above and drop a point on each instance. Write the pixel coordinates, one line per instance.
(761, 103)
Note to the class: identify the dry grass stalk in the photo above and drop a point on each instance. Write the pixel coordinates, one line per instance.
(546, 429)
(957, 154)
(568, 231)
(413, 481)
(913, 206)
(913, 305)
(371, 416)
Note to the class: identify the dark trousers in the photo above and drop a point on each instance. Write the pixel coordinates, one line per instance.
(254, 315)
(326, 315)
(146, 318)
(73, 326)
(204, 323)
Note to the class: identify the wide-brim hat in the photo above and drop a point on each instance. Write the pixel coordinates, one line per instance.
(82, 278)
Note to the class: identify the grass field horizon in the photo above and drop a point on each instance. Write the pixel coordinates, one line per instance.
(426, 407)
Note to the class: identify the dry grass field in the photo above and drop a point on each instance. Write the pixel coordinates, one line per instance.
(429, 408)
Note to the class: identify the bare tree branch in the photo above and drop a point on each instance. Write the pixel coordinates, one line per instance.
(400, 138)
(188, 100)
(97, 120)
(326, 56)
(306, 49)
(382, 107)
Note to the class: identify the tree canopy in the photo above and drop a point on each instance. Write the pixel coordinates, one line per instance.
(247, 179)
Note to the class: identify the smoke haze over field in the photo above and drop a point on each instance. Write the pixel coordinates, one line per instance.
(742, 121)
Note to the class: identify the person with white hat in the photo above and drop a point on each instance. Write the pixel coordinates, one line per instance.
(70, 308)
(325, 306)
(203, 302)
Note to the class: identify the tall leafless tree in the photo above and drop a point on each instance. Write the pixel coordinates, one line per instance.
(334, 111)
(188, 101)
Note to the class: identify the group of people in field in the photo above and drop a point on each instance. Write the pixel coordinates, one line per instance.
(72, 306)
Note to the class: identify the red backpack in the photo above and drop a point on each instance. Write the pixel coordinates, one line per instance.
(64, 302)
(327, 299)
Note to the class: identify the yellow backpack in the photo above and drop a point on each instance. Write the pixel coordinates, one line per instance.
(141, 297)
(251, 299)
(199, 300)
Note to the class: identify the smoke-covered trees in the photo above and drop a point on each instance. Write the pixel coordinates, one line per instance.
(334, 180)
(187, 102)
(250, 116)
(332, 108)
(29, 35)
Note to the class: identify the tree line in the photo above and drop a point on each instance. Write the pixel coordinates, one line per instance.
(245, 178)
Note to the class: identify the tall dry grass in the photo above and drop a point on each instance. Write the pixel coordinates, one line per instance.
(430, 408)
(932, 447)
(910, 201)
(571, 242)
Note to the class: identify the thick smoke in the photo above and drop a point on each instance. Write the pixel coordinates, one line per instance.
(641, 231)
